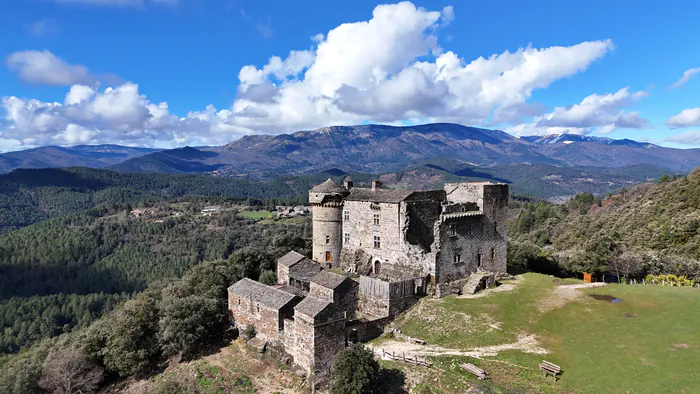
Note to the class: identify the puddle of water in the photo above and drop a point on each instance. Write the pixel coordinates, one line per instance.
(606, 297)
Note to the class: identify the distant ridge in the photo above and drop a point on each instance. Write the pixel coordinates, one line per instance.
(362, 148)
(381, 149)
(93, 156)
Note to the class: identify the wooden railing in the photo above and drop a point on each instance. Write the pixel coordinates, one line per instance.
(402, 357)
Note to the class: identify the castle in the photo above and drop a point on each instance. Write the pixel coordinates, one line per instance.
(376, 251)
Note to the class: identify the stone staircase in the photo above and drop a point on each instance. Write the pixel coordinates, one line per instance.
(479, 281)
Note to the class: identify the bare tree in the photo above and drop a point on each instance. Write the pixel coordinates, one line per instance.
(67, 371)
(627, 264)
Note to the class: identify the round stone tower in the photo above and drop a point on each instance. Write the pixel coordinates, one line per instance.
(326, 202)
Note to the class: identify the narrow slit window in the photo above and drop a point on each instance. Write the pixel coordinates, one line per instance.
(493, 253)
(478, 259)
(328, 239)
(457, 258)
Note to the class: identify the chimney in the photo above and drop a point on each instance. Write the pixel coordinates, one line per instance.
(347, 183)
(376, 184)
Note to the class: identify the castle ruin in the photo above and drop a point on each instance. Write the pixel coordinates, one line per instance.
(376, 252)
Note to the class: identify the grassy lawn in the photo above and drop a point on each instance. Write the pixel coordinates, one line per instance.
(256, 215)
(648, 343)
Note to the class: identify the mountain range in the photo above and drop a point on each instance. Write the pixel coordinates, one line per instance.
(93, 156)
(364, 148)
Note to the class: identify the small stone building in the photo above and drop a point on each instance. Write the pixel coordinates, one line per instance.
(315, 334)
(296, 270)
(336, 288)
(264, 307)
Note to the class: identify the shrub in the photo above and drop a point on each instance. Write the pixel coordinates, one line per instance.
(355, 371)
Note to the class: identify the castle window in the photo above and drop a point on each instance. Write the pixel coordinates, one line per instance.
(457, 258)
(478, 259)
(493, 253)
(239, 300)
(376, 219)
(495, 227)
(377, 242)
(258, 306)
(346, 240)
(328, 239)
(328, 256)
(346, 215)
(453, 229)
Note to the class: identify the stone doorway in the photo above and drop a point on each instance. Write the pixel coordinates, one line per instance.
(377, 267)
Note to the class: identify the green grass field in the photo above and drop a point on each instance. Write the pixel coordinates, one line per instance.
(256, 215)
(648, 343)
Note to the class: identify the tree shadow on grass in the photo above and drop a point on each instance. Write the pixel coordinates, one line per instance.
(392, 381)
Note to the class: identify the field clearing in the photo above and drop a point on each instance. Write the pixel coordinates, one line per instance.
(256, 215)
(648, 343)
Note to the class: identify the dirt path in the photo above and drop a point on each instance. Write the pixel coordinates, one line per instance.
(525, 343)
(564, 294)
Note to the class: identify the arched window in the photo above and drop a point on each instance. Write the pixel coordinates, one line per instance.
(377, 267)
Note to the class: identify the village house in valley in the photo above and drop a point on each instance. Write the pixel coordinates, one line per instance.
(376, 252)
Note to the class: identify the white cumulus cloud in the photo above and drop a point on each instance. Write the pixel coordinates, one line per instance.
(600, 113)
(45, 68)
(686, 118)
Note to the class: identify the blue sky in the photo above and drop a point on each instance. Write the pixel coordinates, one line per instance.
(175, 72)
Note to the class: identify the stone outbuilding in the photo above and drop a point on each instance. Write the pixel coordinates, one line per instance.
(264, 307)
(336, 288)
(316, 334)
(296, 270)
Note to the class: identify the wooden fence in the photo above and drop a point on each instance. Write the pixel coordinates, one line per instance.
(402, 357)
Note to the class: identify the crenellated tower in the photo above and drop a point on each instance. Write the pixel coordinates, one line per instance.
(326, 202)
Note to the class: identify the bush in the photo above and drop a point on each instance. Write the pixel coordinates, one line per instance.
(355, 371)
(249, 332)
(268, 277)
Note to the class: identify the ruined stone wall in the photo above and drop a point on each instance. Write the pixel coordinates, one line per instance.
(245, 312)
(327, 232)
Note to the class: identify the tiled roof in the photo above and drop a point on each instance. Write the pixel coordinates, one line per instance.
(258, 292)
(328, 279)
(328, 187)
(312, 306)
(290, 259)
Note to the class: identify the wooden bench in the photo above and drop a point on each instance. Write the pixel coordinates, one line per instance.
(480, 373)
(548, 368)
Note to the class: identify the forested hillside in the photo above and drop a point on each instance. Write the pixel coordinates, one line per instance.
(99, 259)
(649, 229)
(29, 196)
